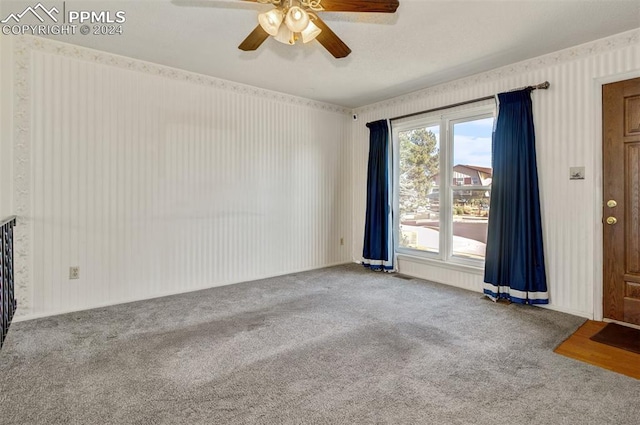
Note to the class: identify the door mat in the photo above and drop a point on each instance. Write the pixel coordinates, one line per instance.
(619, 336)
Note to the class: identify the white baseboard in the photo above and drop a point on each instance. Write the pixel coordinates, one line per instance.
(34, 316)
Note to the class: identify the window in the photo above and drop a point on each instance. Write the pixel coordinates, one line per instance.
(443, 184)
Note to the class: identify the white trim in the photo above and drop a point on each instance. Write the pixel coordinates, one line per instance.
(629, 325)
(23, 247)
(451, 265)
(167, 294)
(553, 307)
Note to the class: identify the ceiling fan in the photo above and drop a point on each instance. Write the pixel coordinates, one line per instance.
(292, 20)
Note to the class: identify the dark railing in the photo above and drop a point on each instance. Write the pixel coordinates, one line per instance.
(7, 295)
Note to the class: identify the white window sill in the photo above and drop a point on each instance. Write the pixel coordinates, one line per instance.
(434, 262)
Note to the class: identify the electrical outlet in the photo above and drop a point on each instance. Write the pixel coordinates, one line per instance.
(74, 272)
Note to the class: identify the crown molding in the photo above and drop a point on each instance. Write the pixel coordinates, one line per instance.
(123, 62)
(618, 41)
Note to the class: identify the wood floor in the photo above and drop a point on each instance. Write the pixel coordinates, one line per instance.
(578, 346)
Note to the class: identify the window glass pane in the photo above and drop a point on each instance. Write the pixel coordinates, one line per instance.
(419, 201)
(471, 186)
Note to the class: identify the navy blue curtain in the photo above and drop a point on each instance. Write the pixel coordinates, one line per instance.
(514, 264)
(377, 252)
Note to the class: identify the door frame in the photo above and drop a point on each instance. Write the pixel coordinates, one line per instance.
(598, 251)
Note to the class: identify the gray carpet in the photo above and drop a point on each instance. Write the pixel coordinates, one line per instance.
(335, 346)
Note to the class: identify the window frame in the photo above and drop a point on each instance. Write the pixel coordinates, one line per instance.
(445, 122)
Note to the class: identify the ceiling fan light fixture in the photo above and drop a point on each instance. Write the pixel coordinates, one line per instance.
(302, 23)
(270, 21)
(310, 33)
(297, 19)
(285, 35)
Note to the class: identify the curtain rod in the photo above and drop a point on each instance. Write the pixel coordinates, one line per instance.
(541, 86)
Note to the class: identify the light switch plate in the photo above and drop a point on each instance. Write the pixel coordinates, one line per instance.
(576, 173)
(74, 272)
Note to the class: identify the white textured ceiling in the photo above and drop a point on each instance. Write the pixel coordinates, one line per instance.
(426, 42)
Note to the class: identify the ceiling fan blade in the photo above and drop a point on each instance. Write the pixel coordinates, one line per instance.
(380, 6)
(254, 40)
(331, 41)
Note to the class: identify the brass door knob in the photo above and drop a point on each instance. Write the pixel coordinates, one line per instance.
(611, 220)
(611, 203)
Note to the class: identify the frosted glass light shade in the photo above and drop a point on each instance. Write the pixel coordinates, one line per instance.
(310, 33)
(285, 35)
(297, 19)
(270, 21)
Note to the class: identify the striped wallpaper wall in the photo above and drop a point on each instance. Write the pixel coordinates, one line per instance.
(568, 131)
(156, 181)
